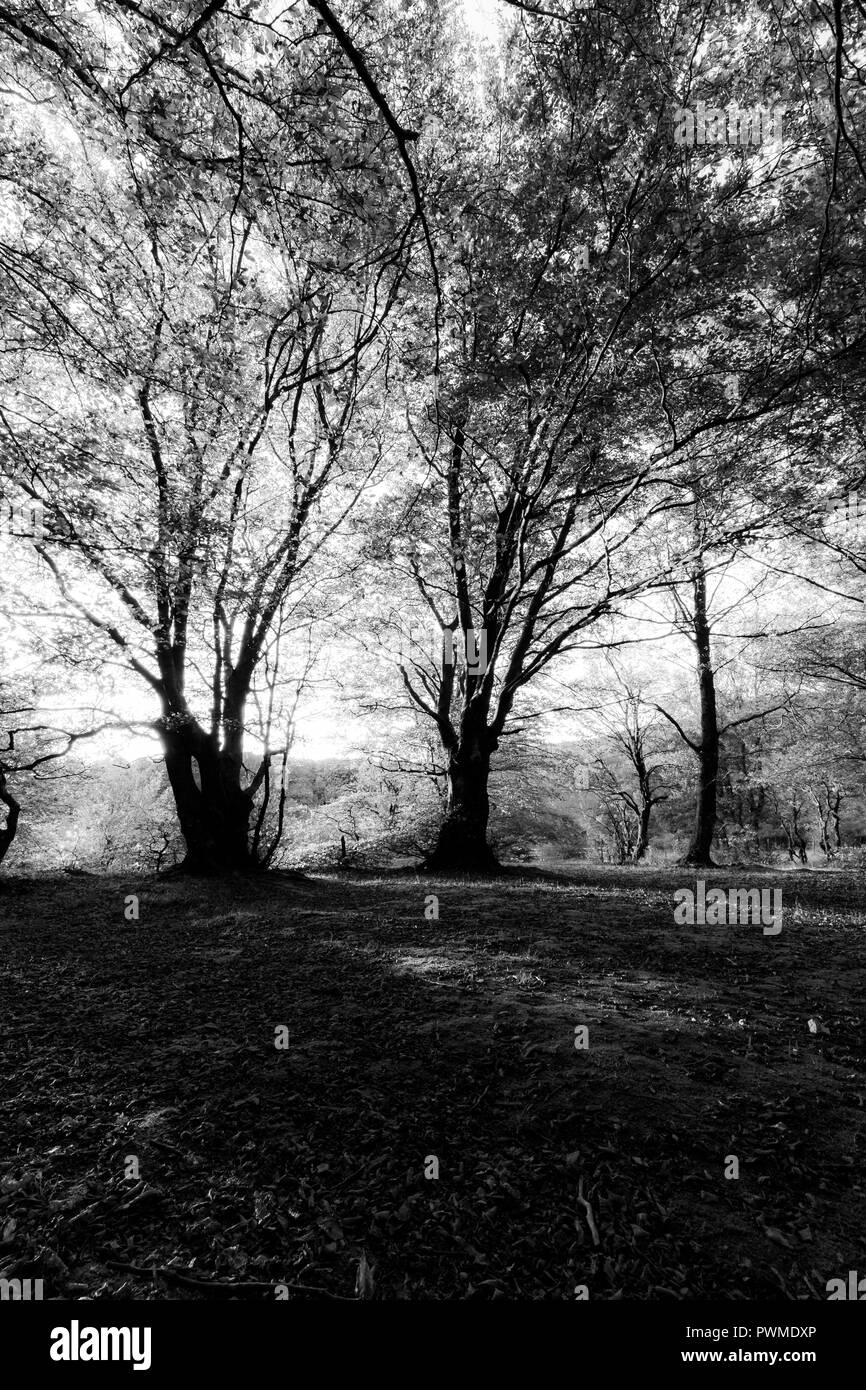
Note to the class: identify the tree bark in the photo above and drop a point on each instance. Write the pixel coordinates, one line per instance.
(647, 797)
(836, 818)
(643, 833)
(213, 808)
(793, 833)
(13, 811)
(462, 841)
(698, 852)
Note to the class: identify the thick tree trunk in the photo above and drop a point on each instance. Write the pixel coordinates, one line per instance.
(213, 808)
(13, 811)
(698, 852)
(462, 841)
(836, 817)
(643, 833)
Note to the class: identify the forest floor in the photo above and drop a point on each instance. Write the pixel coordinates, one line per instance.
(413, 1039)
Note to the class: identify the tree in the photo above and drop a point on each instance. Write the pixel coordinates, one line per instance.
(37, 733)
(569, 403)
(199, 321)
(13, 812)
(788, 807)
(630, 738)
(696, 620)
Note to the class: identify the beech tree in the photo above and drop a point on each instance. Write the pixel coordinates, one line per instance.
(585, 258)
(630, 780)
(199, 268)
(12, 814)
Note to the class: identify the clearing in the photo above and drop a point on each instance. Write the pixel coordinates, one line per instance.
(411, 1039)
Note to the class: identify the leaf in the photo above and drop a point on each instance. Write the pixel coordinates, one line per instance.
(364, 1283)
(777, 1237)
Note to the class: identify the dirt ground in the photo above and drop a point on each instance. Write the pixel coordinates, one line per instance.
(148, 1047)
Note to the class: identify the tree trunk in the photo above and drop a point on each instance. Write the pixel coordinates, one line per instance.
(462, 841)
(645, 794)
(213, 808)
(698, 852)
(836, 818)
(796, 842)
(643, 837)
(823, 819)
(13, 811)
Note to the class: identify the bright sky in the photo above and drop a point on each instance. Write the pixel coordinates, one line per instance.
(482, 14)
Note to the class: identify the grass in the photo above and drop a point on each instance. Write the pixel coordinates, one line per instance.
(153, 1041)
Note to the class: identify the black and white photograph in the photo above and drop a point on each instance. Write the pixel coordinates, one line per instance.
(432, 671)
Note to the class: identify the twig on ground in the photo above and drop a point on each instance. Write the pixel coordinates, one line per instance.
(164, 1272)
(590, 1218)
